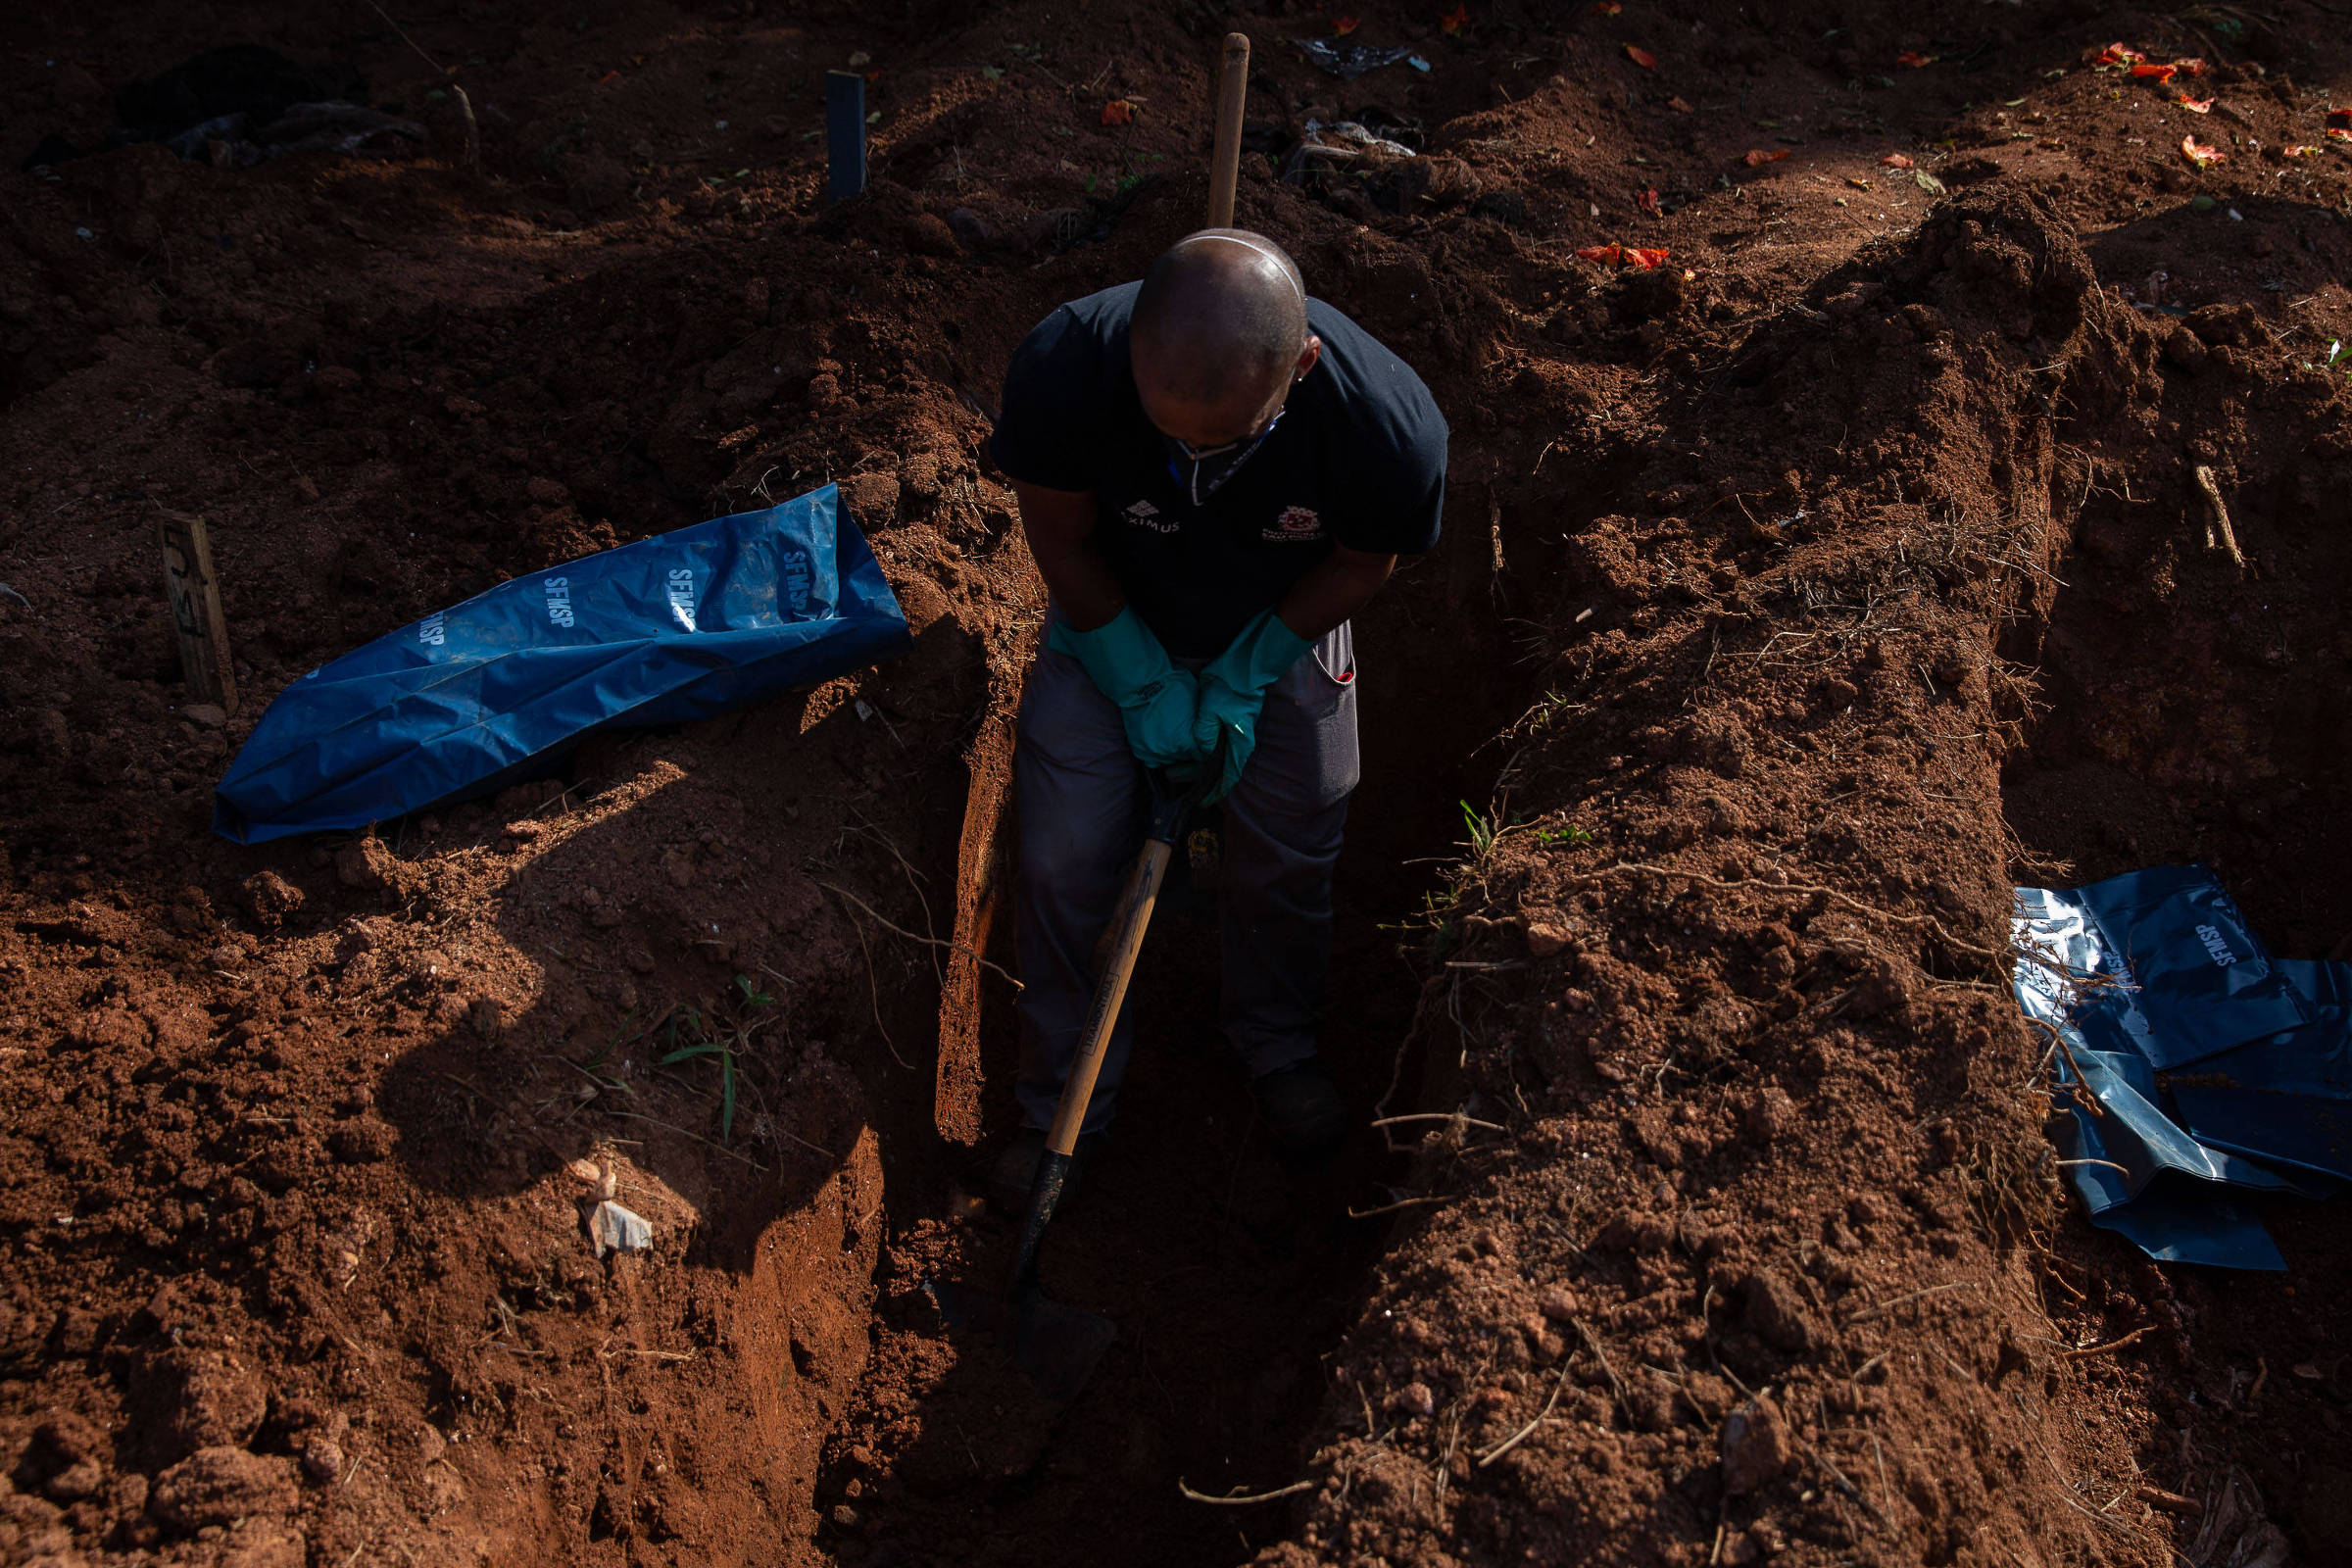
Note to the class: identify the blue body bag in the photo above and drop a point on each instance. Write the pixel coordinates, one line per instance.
(681, 626)
(2198, 1071)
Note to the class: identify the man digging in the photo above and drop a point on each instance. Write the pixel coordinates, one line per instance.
(1214, 473)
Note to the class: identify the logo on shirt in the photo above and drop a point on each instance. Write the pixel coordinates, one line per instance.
(1144, 514)
(1294, 525)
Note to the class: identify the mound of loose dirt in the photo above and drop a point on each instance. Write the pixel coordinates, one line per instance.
(1797, 597)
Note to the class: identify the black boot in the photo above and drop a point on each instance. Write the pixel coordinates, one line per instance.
(1305, 1119)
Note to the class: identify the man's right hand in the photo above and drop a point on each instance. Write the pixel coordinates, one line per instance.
(1158, 702)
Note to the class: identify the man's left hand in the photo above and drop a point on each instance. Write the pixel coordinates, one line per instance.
(1233, 692)
(1231, 715)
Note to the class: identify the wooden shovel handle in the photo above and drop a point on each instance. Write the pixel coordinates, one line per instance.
(1129, 920)
(1225, 164)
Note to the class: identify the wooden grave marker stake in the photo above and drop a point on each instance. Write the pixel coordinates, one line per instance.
(195, 594)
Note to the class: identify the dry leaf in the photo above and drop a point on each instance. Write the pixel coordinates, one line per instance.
(1641, 57)
(1639, 256)
(1895, 161)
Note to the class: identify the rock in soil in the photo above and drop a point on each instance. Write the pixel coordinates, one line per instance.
(1755, 1447)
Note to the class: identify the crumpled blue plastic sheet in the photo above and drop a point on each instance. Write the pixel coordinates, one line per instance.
(685, 625)
(2194, 1064)
(2287, 1098)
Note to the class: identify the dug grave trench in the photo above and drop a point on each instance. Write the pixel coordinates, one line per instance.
(2198, 710)
(1227, 1276)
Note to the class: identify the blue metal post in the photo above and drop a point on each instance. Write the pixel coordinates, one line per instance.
(845, 134)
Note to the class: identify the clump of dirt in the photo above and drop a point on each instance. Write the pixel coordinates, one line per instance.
(1719, 1224)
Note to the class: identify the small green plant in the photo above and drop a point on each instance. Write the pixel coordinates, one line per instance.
(1481, 828)
(700, 1040)
(701, 1044)
(1436, 905)
(1570, 835)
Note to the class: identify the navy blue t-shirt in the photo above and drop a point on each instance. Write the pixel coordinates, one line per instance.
(1357, 460)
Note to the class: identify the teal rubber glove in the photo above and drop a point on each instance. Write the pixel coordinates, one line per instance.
(1233, 692)
(1156, 701)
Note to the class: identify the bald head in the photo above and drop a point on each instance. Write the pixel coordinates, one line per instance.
(1219, 333)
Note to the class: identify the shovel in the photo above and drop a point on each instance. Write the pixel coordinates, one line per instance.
(1057, 1347)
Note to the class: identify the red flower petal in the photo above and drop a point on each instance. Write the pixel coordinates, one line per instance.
(1641, 57)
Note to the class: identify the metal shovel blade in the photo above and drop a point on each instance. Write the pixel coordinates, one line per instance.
(1054, 1347)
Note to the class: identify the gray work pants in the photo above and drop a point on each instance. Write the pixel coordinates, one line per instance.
(1084, 806)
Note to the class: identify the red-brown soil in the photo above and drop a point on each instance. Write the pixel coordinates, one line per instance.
(1796, 599)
